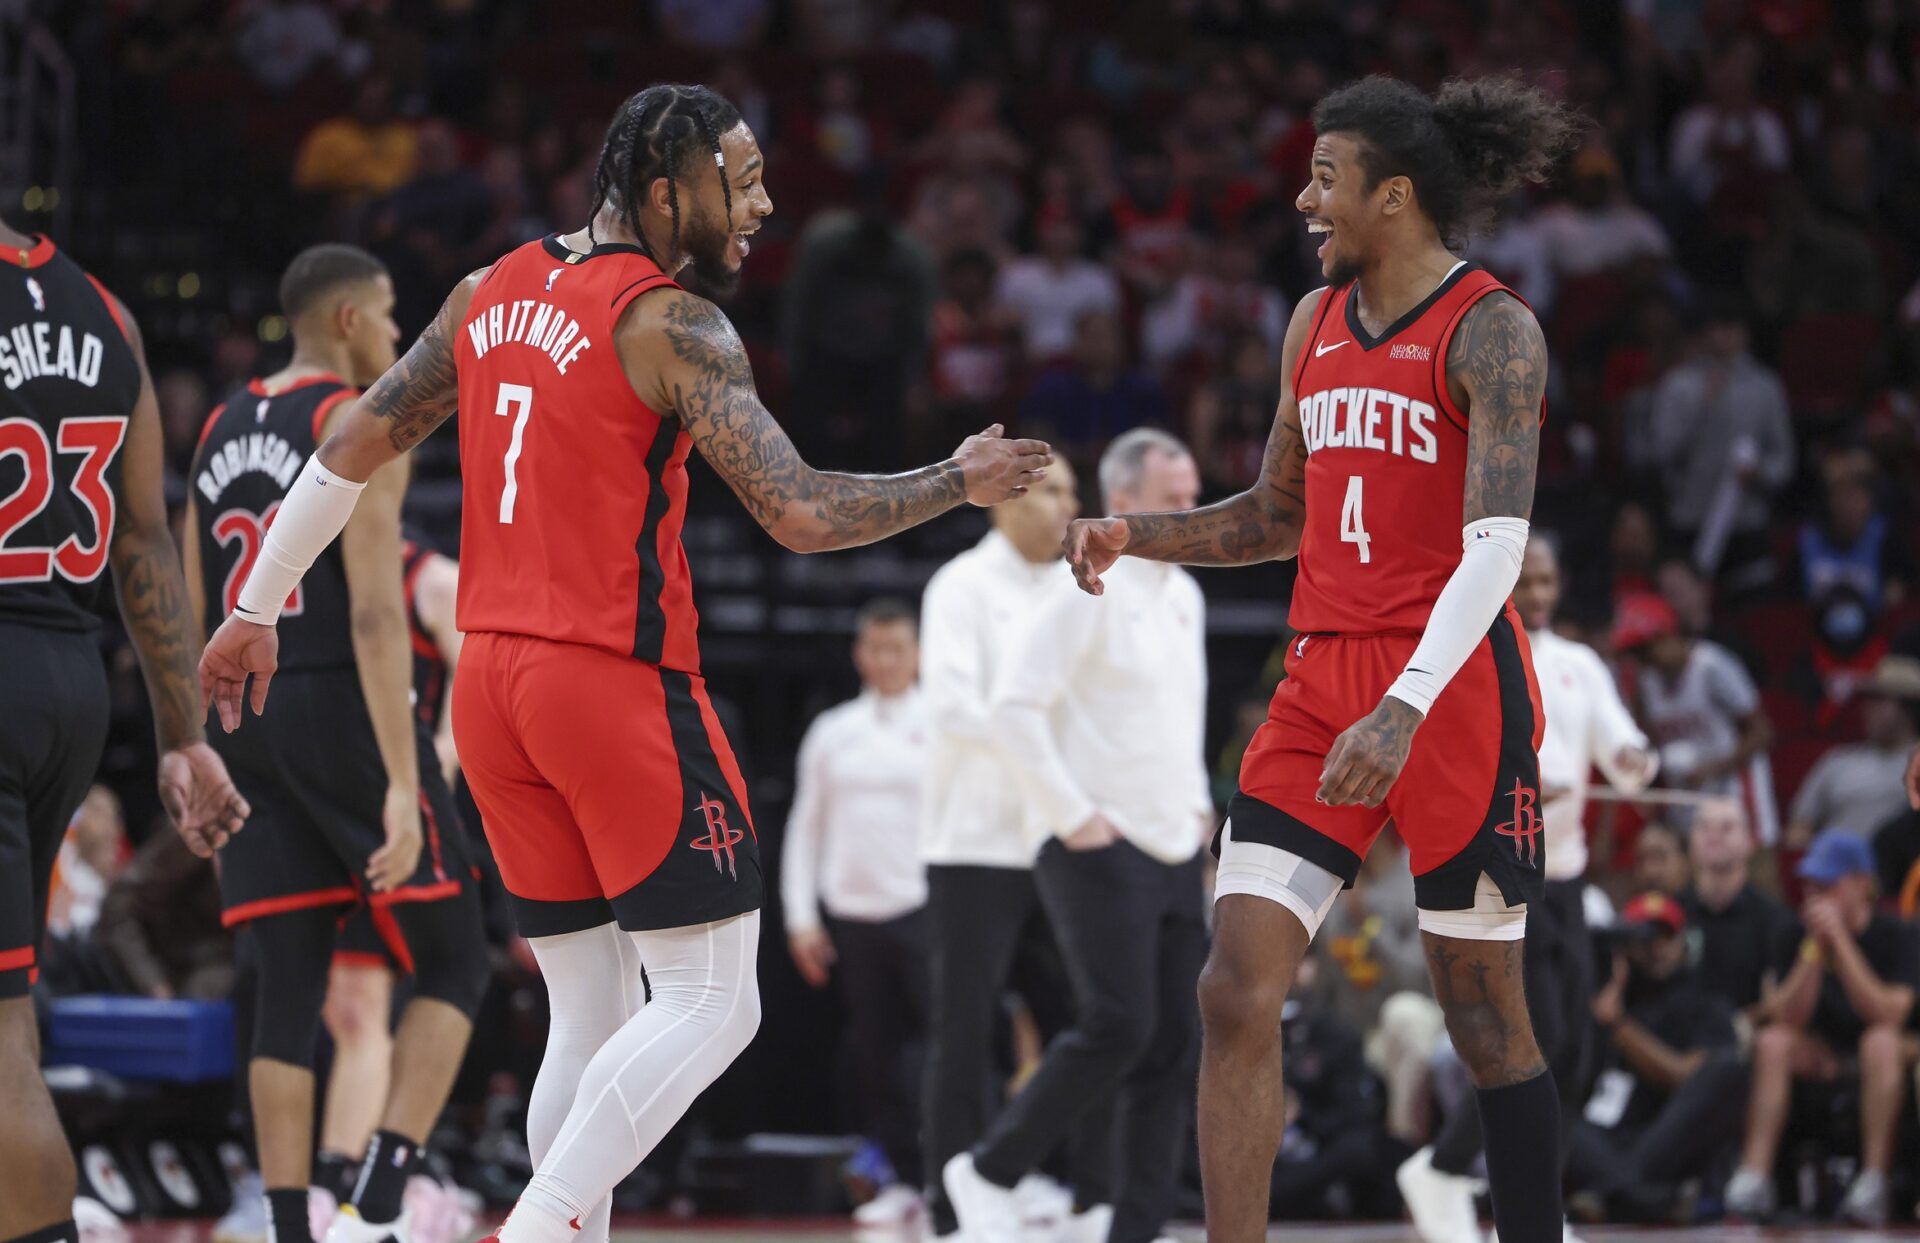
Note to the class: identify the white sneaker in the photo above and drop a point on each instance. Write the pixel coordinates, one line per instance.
(987, 1213)
(896, 1205)
(436, 1212)
(349, 1227)
(1044, 1203)
(1566, 1234)
(96, 1223)
(1091, 1226)
(1440, 1204)
(322, 1208)
(246, 1221)
(1750, 1195)
(1866, 1200)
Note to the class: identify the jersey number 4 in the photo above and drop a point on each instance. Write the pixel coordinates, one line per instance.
(97, 439)
(1353, 528)
(249, 530)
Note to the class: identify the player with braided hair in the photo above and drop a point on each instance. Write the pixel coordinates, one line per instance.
(587, 376)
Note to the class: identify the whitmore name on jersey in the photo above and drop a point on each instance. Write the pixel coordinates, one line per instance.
(1369, 418)
(262, 451)
(529, 322)
(30, 351)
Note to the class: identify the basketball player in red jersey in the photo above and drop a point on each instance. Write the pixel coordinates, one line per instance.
(610, 796)
(1412, 406)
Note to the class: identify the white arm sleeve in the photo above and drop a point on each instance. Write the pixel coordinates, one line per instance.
(313, 515)
(1473, 597)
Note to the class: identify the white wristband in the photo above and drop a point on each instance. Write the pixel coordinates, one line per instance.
(1490, 557)
(315, 511)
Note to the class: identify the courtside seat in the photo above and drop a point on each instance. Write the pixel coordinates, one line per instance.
(140, 1039)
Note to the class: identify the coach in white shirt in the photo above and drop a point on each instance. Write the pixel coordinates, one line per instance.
(974, 836)
(854, 889)
(1587, 726)
(1103, 704)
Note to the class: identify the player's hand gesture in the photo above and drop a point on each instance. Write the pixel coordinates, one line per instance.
(813, 955)
(997, 469)
(200, 798)
(1367, 757)
(1092, 546)
(237, 649)
(392, 865)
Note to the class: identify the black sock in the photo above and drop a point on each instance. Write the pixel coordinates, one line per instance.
(391, 1159)
(1522, 1125)
(287, 1220)
(336, 1173)
(58, 1232)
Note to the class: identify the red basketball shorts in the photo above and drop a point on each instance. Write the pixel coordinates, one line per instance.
(1467, 802)
(606, 786)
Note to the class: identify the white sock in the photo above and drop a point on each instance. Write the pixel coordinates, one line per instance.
(593, 988)
(705, 1009)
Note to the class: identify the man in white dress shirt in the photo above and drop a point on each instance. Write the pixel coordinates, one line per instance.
(854, 888)
(974, 835)
(1587, 726)
(1101, 705)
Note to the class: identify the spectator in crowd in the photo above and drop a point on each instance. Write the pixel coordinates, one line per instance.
(1727, 139)
(1151, 221)
(1723, 435)
(1744, 937)
(1666, 1103)
(160, 924)
(858, 309)
(975, 356)
(1219, 295)
(282, 41)
(1660, 859)
(427, 231)
(843, 135)
(1081, 406)
(713, 25)
(1850, 993)
(1857, 787)
(1697, 703)
(1048, 292)
(1598, 227)
(92, 856)
(1231, 416)
(367, 151)
(1336, 1159)
(1853, 540)
(855, 895)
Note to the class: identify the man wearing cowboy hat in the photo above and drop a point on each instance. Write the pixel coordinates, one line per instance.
(1860, 786)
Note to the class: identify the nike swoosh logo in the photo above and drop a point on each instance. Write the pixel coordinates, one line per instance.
(1318, 350)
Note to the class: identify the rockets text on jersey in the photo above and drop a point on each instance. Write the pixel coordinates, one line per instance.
(251, 450)
(68, 383)
(1386, 462)
(575, 491)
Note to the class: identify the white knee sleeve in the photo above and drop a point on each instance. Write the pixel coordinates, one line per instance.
(1488, 919)
(705, 1009)
(1263, 871)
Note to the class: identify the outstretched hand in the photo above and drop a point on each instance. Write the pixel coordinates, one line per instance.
(996, 469)
(1092, 546)
(237, 649)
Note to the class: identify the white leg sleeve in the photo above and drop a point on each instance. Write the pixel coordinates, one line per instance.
(1488, 919)
(593, 988)
(705, 1008)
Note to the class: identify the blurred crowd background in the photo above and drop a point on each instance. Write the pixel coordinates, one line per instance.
(1077, 219)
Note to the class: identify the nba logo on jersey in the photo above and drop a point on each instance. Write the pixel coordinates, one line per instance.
(552, 277)
(260, 411)
(38, 294)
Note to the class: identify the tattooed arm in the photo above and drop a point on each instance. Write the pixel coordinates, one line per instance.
(682, 355)
(404, 406)
(194, 786)
(1261, 524)
(1497, 373)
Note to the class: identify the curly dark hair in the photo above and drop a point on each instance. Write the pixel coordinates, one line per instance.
(660, 132)
(1465, 148)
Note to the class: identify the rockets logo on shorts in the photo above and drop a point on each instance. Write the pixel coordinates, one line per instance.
(1525, 827)
(720, 839)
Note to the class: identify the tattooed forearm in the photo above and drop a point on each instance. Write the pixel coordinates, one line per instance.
(1260, 524)
(713, 394)
(153, 607)
(1498, 360)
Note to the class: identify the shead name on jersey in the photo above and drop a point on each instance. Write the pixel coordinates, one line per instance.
(529, 322)
(30, 351)
(1369, 418)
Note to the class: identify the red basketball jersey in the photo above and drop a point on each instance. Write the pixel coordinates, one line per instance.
(1386, 462)
(575, 491)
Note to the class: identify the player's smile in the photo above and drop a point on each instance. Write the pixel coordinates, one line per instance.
(742, 247)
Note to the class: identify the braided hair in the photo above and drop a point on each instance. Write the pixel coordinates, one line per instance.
(653, 134)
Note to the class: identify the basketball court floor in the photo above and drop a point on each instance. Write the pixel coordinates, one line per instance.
(813, 1230)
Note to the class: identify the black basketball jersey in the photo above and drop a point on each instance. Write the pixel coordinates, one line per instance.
(429, 666)
(68, 384)
(251, 451)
